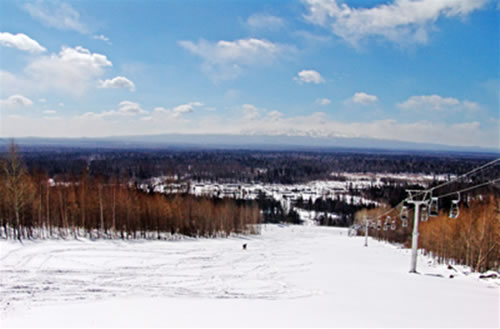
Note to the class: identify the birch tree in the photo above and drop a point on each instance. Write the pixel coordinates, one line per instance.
(18, 187)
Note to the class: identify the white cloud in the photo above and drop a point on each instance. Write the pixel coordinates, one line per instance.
(179, 110)
(15, 101)
(275, 115)
(13, 84)
(49, 112)
(58, 15)
(471, 106)
(437, 103)
(323, 101)
(318, 124)
(243, 50)
(250, 112)
(309, 76)
(401, 21)
(72, 70)
(161, 109)
(186, 108)
(224, 59)
(52, 118)
(125, 108)
(20, 41)
(364, 98)
(312, 38)
(265, 21)
(101, 37)
(117, 82)
(130, 108)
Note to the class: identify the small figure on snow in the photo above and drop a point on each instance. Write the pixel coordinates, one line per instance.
(244, 246)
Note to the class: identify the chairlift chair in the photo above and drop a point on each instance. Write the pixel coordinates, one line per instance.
(387, 223)
(434, 207)
(404, 213)
(455, 209)
(424, 214)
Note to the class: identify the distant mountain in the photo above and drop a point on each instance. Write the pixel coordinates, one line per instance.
(251, 141)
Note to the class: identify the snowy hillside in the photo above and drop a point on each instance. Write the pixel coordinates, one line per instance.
(288, 276)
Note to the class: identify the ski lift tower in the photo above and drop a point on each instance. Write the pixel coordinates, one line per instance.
(366, 230)
(418, 198)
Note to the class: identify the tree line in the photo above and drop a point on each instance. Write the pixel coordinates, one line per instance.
(34, 206)
(472, 239)
(274, 213)
(284, 167)
(344, 210)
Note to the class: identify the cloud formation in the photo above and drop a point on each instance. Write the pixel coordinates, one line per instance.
(274, 115)
(437, 103)
(318, 124)
(323, 101)
(15, 101)
(125, 108)
(224, 59)
(20, 41)
(265, 21)
(101, 37)
(58, 15)
(364, 98)
(253, 114)
(179, 110)
(72, 70)
(400, 21)
(117, 82)
(309, 76)
(130, 108)
(186, 108)
(250, 112)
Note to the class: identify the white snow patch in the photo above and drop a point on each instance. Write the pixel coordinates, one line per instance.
(292, 276)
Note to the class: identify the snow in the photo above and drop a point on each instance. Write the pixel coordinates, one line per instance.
(292, 276)
(376, 178)
(325, 189)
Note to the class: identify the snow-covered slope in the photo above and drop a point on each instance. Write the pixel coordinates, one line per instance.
(288, 276)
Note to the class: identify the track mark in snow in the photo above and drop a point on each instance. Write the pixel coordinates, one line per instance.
(50, 271)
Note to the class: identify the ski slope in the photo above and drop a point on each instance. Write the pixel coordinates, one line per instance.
(293, 276)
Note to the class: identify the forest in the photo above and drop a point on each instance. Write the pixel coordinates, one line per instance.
(284, 167)
(32, 205)
(472, 239)
(96, 194)
(345, 211)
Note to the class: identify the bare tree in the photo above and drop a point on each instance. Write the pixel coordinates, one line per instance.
(18, 186)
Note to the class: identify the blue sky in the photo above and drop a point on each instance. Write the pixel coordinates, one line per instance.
(421, 70)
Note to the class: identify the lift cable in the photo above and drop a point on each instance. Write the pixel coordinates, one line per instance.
(390, 210)
(469, 188)
(418, 203)
(446, 183)
(464, 175)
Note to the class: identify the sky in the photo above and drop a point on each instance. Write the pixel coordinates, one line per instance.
(409, 70)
